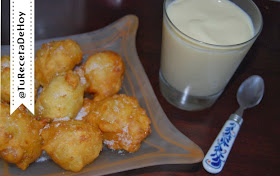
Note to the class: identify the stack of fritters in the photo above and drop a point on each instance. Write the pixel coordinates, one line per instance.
(68, 126)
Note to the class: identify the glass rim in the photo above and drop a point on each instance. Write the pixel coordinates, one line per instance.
(215, 45)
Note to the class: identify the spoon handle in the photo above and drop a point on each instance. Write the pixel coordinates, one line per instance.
(216, 156)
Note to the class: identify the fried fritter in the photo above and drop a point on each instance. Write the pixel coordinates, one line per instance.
(5, 79)
(123, 122)
(61, 98)
(20, 142)
(72, 144)
(104, 72)
(56, 57)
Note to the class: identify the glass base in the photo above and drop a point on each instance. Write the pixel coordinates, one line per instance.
(185, 101)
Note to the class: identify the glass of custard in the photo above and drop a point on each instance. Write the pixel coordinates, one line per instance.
(203, 43)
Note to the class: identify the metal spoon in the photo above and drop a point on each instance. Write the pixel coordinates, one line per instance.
(249, 95)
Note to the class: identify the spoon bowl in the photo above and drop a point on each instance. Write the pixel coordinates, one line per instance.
(250, 92)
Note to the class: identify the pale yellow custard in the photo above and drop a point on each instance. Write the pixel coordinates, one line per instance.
(194, 63)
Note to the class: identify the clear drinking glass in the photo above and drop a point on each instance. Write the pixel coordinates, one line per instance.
(193, 74)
